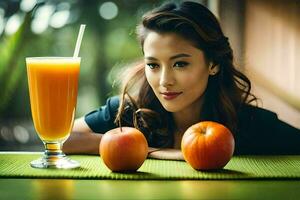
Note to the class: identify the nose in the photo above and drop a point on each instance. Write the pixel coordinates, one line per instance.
(166, 77)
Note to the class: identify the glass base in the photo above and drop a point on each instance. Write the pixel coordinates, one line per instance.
(55, 161)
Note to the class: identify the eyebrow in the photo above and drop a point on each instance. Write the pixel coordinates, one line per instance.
(181, 55)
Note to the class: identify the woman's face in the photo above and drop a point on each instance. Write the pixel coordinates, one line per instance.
(176, 71)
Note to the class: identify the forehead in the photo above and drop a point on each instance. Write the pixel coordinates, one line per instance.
(158, 43)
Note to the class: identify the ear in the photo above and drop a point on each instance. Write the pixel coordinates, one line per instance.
(213, 69)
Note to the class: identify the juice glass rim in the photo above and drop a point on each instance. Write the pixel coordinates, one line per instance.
(53, 58)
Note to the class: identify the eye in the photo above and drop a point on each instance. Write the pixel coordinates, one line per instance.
(181, 64)
(152, 65)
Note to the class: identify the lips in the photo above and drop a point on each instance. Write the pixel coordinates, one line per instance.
(170, 95)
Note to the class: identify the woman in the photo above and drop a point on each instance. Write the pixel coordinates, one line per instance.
(187, 76)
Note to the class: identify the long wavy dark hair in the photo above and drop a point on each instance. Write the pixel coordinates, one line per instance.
(226, 91)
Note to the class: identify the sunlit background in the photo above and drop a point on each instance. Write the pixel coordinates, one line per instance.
(264, 36)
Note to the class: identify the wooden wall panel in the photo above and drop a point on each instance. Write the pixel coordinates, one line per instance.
(272, 46)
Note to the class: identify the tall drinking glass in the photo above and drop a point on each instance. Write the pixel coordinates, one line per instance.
(53, 86)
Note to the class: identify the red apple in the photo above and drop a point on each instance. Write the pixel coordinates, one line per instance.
(123, 149)
(207, 145)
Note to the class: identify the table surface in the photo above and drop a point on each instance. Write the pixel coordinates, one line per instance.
(124, 189)
(32, 188)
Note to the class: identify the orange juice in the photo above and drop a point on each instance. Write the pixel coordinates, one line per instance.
(53, 86)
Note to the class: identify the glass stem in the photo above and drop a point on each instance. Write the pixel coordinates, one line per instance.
(53, 149)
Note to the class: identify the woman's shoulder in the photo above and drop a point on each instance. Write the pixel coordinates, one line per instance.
(102, 119)
(113, 101)
(255, 121)
(254, 118)
(249, 113)
(261, 132)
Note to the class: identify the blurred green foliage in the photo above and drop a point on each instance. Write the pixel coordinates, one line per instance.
(11, 63)
(107, 46)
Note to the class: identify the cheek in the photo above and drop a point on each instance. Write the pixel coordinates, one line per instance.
(195, 81)
(150, 77)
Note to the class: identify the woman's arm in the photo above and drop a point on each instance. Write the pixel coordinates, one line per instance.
(165, 154)
(82, 140)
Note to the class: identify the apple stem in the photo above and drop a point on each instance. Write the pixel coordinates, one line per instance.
(120, 125)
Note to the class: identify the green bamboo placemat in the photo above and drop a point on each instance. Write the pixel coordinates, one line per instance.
(240, 167)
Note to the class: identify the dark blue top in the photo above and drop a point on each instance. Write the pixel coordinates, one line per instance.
(259, 132)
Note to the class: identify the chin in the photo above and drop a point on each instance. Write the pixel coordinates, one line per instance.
(171, 107)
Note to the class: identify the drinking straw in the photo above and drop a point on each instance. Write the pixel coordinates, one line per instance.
(78, 42)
